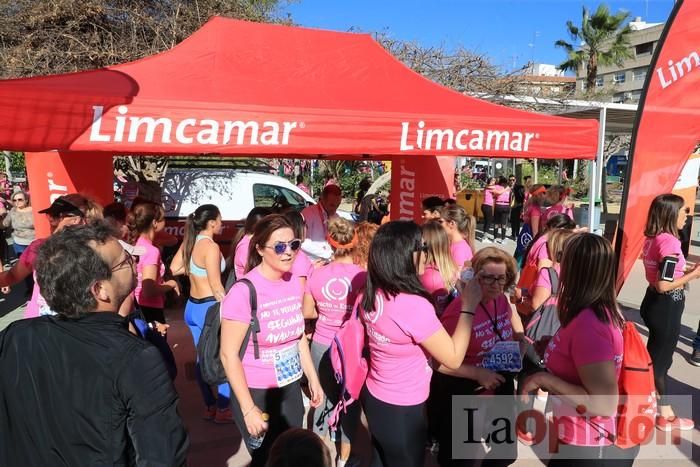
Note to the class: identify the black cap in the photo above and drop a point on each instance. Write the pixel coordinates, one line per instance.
(62, 207)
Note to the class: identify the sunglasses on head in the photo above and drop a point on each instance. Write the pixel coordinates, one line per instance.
(281, 247)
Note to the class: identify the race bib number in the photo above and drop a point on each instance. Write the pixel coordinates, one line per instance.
(504, 356)
(287, 366)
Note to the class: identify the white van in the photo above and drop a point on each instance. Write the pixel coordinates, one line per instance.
(235, 192)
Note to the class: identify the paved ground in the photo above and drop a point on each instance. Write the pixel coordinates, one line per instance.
(219, 445)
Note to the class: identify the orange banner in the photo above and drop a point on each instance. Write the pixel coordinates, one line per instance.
(667, 128)
(53, 174)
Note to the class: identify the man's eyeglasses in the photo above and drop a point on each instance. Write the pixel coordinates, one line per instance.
(489, 280)
(128, 260)
(281, 247)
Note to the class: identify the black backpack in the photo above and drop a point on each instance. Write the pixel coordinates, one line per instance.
(209, 344)
(544, 322)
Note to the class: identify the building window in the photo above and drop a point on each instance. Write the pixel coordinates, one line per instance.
(599, 81)
(644, 49)
(619, 77)
(583, 85)
(639, 74)
(618, 97)
(636, 95)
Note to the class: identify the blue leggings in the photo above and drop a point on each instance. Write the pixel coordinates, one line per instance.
(195, 312)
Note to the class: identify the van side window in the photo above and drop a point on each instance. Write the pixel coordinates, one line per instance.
(274, 196)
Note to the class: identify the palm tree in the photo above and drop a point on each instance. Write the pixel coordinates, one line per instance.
(604, 41)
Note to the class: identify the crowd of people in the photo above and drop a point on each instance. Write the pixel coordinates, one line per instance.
(92, 372)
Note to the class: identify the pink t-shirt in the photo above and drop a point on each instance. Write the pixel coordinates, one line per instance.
(240, 256)
(543, 280)
(533, 211)
(483, 337)
(538, 250)
(334, 287)
(558, 209)
(399, 371)
(461, 252)
(655, 249)
(584, 341)
(504, 198)
(302, 266)
(435, 285)
(281, 327)
(37, 305)
(488, 196)
(150, 258)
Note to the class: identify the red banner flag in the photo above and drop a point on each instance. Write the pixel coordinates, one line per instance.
(667, 129)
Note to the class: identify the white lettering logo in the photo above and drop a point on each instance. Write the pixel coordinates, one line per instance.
(464, 139)
(378, 309)
(339, 292)
(678, 69)
(144, 129)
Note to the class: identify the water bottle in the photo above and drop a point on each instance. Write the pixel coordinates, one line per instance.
(256, 441)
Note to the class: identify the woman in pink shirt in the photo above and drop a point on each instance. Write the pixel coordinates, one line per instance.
(494, 322)
(441, 272)
(329, 298)
(664, 301)
(501, 209)
(487, 207)
(403, 331)
(144, 221)
(559, 198)
(238, 255)
(584, 357)
(461, 229)
(266, 379)
(534, 209)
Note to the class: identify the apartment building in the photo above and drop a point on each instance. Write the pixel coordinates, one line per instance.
(624, 84)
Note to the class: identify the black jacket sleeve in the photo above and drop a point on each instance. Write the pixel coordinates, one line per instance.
(157, 434)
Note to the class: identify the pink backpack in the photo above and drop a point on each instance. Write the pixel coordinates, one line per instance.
(349, 358)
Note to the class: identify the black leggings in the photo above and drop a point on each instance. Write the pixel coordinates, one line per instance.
(662, 315)
(501, 219)
(487, 211)
(515, 214)
(398, 432)
(593, 456)
(285, 408)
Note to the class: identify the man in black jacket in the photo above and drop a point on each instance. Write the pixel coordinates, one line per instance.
(77, 389)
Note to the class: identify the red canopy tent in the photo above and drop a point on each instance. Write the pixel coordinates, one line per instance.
(237, 87)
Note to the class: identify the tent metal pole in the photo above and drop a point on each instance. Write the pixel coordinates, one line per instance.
(596, 166)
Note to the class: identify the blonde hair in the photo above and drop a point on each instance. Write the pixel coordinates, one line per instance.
(438, 254)
(90, 208)
(496, 255)
(466, 223)
(342, 232)
(556, 239)
(365, 233)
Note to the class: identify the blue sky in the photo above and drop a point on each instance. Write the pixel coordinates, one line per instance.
(510, 32)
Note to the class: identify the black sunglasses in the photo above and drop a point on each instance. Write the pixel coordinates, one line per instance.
(18, 199)
(281, 247)
(489, 280)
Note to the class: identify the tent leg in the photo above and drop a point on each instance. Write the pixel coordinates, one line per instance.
(593, 223)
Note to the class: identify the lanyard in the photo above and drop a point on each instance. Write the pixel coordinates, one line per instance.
(493, 320)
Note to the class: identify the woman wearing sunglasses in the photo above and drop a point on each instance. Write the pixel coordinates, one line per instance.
(664, 301)
(403, 332)
(20, 219)
(267, 381)
(495, 331)
(66, 210)
(329, 298)
(199, 257)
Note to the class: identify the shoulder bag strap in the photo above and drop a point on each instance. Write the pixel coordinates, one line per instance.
(254, 327)
(554, 280)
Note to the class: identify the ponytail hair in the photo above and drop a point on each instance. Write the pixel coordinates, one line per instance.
(140, 219)
(466, 223)
(196, 222)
